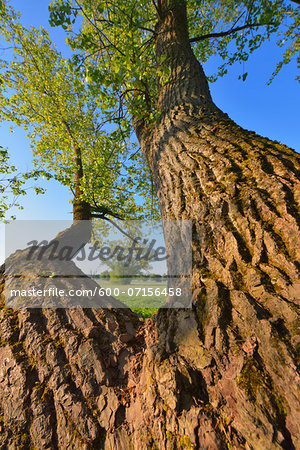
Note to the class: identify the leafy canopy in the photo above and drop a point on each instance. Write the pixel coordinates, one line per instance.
(115, 46)
(13, 185)
(10, 185)
(113, 75)
(41, 91)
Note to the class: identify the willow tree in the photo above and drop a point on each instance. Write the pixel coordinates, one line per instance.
(223, 374)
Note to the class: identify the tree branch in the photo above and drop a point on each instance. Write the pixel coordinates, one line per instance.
(147, 29)
(232, 30)
(119, 228)
(156, 7)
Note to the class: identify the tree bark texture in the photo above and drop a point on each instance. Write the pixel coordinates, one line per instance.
(222, 375)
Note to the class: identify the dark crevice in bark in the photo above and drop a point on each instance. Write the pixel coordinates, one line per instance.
(283, 334)
(289, 165)
(262, 313)
(266, 165)
(225, 317)
(291, 204)
(53, 420)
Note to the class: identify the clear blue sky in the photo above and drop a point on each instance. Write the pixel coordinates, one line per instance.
(271, 111)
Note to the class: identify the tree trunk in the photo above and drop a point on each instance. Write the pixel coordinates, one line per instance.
(242, 193)
(81, 208)
(221, 375)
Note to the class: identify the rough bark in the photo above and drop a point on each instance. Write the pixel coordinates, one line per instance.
(222, 375)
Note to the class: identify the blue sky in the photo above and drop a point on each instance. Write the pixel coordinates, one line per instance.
(271, 111)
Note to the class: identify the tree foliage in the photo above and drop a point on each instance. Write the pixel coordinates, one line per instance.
(41, 91)
(116, 44)
(10, 184)
(114, 73)
(13, 185)
(234, 30)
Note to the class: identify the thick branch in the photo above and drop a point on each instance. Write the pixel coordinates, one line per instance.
(228, 32)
